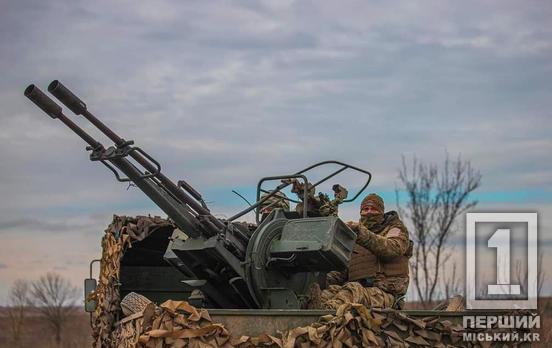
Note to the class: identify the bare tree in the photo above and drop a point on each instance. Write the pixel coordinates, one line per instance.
(54, 297)
(451, 283)
(436, 197)
(18, 302)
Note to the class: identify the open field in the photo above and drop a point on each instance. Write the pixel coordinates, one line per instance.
(36, 332)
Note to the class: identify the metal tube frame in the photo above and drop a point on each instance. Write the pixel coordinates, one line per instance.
(344, 166)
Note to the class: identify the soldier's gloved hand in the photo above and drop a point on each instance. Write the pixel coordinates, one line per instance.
(340, 192)
(296, 186)
(364, 233)
(352, 225)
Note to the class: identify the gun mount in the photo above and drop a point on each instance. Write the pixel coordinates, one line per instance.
(270, 265)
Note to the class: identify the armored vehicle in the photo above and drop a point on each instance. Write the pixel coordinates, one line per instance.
(254, 277)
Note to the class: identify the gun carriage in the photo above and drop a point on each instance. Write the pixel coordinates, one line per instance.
(230, 264)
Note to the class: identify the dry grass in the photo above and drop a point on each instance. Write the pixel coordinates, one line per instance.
(545, 308)
(36, 332)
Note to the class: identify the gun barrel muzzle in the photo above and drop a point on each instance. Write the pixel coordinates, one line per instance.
(67, 97)
(43, 101)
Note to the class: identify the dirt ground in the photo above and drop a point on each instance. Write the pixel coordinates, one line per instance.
(36, 332)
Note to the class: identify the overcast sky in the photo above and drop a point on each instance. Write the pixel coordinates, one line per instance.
(223, 93)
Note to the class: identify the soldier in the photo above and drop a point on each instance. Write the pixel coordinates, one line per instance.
(317, 205)
(278, 200)
(377, 275)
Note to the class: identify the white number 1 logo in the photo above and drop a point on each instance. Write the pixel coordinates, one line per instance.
(501, 241)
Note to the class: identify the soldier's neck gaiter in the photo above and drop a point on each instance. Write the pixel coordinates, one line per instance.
(372, 221)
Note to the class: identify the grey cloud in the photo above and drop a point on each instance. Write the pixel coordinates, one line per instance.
(355, 86)
(46, 225)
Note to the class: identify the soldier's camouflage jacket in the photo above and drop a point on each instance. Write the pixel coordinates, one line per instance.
(380, 257)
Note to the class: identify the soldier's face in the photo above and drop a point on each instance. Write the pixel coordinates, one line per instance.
(368, 209)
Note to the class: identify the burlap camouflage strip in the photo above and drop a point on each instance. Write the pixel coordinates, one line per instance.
(178, 324)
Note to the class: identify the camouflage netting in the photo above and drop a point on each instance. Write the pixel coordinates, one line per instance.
(118, 236)
(178, 324)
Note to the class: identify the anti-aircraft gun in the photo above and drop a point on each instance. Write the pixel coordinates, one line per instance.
(270, 265)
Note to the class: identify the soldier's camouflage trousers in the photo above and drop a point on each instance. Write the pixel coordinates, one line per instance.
(352, 292)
